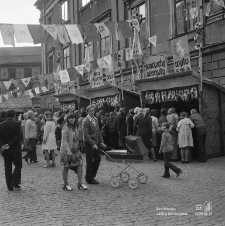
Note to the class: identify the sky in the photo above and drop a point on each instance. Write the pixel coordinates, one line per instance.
(18, 12)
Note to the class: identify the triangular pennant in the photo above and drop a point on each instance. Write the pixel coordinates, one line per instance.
(7, 34)
(62, 34)
(80, 69)
(52, 30)
(7, 84)
(16, 83)
(101, 63)
(108, 60)
(153, 40)
(125, 29)
(26, 81)
(103, 30)
(64, 76)
(22, 33)
(90, 32)
(74, 33)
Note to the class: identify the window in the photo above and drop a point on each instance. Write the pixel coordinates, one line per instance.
(184, 22)
(49, 61)
(66, 58)
(104, 46)
(12, 73)
(64, 8)
(27, 72)
(85, 2)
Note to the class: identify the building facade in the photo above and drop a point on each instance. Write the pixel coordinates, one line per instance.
(167, 19)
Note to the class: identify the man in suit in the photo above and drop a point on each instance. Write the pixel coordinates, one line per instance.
(92, 139)
(10, 135)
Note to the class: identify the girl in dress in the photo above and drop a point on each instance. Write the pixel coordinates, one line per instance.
(49, 141)
(70, 155)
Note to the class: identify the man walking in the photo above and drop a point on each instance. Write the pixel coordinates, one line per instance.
(92, 138)
(10, 136)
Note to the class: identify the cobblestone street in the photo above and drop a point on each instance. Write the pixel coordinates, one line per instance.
(43, 202)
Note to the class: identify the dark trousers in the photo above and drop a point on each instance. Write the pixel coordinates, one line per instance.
(168, 165)
(93, 159)
(32, 154)
(13, 178)
(201, 138)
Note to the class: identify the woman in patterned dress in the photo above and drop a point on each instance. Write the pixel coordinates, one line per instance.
(70, 154)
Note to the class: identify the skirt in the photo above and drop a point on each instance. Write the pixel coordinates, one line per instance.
(71, 160)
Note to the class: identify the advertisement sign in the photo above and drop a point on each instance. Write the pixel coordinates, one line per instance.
(155, 66)
(110, 78)
(181, 55)
(96, 79)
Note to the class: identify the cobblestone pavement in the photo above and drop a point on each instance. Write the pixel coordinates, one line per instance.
(42, 201)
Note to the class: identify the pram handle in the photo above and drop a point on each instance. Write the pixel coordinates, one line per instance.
(108, 156)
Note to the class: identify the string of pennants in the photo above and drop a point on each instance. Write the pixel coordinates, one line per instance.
(78, 33)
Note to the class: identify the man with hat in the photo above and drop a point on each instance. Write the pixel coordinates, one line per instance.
(92, 139)
(199, 123)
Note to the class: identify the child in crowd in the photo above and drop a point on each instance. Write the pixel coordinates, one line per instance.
(167, 149)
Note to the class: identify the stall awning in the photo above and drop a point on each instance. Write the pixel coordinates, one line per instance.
(102, 91)
(68, 97)
(168, 82)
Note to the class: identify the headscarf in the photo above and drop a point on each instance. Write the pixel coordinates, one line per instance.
(171, 111)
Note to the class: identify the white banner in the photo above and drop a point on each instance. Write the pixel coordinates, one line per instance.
(64, 76)
(96, 79)
(110, 79)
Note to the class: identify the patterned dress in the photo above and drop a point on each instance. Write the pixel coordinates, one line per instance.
(70, 153)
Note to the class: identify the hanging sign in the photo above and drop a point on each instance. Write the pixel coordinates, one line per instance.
(64, 76)
(96, 79)
(181, 55)
(112, 101)
(110, 78)
(156, 66)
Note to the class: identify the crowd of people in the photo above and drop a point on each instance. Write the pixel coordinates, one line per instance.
(85, 130)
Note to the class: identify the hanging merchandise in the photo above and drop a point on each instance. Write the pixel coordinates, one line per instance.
(26, 81)
(74, 33)
(7, 34)
(64, 76)
(52, 30)
(22, 33)
(181, 55)
(112, 101)
(155, 66)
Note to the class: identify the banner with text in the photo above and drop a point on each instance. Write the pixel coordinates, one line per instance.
(96, 79)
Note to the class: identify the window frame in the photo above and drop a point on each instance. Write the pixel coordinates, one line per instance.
(9, 73)
(27, 68)
(65, 20)
(67, 58)
(50, 53)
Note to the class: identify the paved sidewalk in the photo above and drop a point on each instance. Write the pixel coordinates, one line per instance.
(42, 202)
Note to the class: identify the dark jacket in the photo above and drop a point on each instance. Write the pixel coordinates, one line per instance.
(122, 126)
(10, 133)
(130, 124)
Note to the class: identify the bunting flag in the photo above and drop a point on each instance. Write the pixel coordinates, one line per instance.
(90, 32)
(153, 40)
(22, 33)
(6, 96)
(74, 33)
(80, 69)
(52, 30)
(16, 83)
(118, 32)
(125, 29)
(101, 63)
(26, 81)
(111, 27)
(7, 34)
(88, 54)
(7, 84)
(38, 34)
(64, 76)
(103, 30)
(44, 89)
(219, 2)
(108, 60)
(87, 66)
(62, 34)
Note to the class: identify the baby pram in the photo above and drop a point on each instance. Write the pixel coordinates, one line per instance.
(136, 152)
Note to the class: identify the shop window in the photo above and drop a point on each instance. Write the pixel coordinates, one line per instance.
(66, 58)
(12, 73)
(64, 8)
(49, 61)
(181, 18)
(27, 72)
(85, 2)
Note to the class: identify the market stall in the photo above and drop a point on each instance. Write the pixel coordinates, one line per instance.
(182, 91)
(108, 97)
(72, 101)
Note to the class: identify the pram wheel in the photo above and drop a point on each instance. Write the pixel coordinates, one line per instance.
(133, 183)
(125, 176)
(142, 178)
(115, 182)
